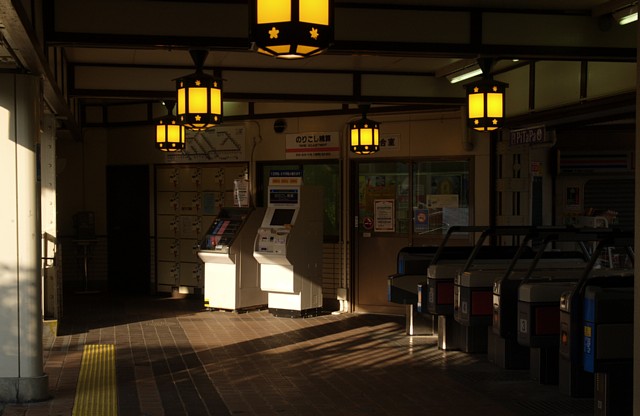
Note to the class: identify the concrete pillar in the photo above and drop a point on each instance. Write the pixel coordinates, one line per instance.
(22, 378)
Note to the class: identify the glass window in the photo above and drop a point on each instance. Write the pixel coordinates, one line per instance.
(383, 197)
(440, 195)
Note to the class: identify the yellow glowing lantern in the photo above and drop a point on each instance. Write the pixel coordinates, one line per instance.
(365, 136)
(170, 135)
(291, 29)
(485, 104)
(199, 97)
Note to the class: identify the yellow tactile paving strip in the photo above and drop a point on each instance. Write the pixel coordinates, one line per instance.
(96, 393)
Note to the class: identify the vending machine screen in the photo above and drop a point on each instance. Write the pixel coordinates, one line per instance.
(282, 216)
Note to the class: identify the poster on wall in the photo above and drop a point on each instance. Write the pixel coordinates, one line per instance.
(384, 215)
(420, 220)
(219, 144)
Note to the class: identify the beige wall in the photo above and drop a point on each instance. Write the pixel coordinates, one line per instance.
(82, 173)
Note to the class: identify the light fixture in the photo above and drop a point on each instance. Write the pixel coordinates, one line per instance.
(199, 96)
(365, 135)
(170, 135)
(485, 101)
(291, 29)
(465, 73)
(627, 15)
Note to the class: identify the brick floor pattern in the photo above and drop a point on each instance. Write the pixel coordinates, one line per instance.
(175, 358)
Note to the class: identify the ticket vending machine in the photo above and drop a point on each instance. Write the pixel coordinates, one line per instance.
(231, 273)
(288, 246)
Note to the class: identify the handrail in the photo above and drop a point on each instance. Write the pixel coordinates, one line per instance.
(49, 239)
(450, 231)
(494, 231)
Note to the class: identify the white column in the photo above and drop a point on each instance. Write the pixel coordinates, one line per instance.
(21, 363)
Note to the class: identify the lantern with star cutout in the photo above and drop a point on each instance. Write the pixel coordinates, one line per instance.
(291, 29)
(170, 134)
(485, 104)
(199, 97)
(365, 136)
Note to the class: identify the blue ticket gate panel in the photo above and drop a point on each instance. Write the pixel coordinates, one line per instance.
(573, 379)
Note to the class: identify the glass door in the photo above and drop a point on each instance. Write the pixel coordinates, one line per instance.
(382, 219)
(400, 204)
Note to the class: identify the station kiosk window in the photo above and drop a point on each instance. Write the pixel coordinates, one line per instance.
(288, 246)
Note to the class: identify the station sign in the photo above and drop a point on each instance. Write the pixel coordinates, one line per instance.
(313, 145)
(530, 136)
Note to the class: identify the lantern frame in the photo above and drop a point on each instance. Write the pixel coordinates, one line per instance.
(170, 135)
(485, 104)
(199, 97)
(356, 135)
(291, 37)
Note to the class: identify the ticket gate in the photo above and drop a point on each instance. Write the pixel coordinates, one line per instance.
(455, 333)
(231, 273)
(573, 380)
(288, 247)
(511, 331)
(411, 270)
(441, 278)
(539, 326)
(608, 347)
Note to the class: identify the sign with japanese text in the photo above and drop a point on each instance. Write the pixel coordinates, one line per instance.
(384, 219)
(312, 146)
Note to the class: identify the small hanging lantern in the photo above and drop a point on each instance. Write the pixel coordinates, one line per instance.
(199, 97)
(170, 135)
(485, 100)
(485, 104)
(291, 29)
(365, 136)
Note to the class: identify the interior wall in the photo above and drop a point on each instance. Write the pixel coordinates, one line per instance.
(82, 165)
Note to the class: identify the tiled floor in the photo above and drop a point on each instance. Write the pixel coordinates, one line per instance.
(174, 358)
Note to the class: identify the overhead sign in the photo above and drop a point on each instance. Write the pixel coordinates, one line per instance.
(313, 146)
(530, 136)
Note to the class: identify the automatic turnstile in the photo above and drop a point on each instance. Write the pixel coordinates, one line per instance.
(608, 347)
(573, 380)
(539, 326)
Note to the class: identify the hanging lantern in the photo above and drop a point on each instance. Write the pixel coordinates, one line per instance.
(365, 136)
(291, 28)
(199, 97)
(170, 135)
(485, 104)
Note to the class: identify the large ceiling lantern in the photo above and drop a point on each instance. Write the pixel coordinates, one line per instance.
(485, 101)
(199, 97)
(291, 28)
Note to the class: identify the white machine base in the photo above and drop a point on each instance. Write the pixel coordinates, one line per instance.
(289, 313)
(292, 305)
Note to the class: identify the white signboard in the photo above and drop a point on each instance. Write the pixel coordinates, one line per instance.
(384, 218)
(313, 146)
